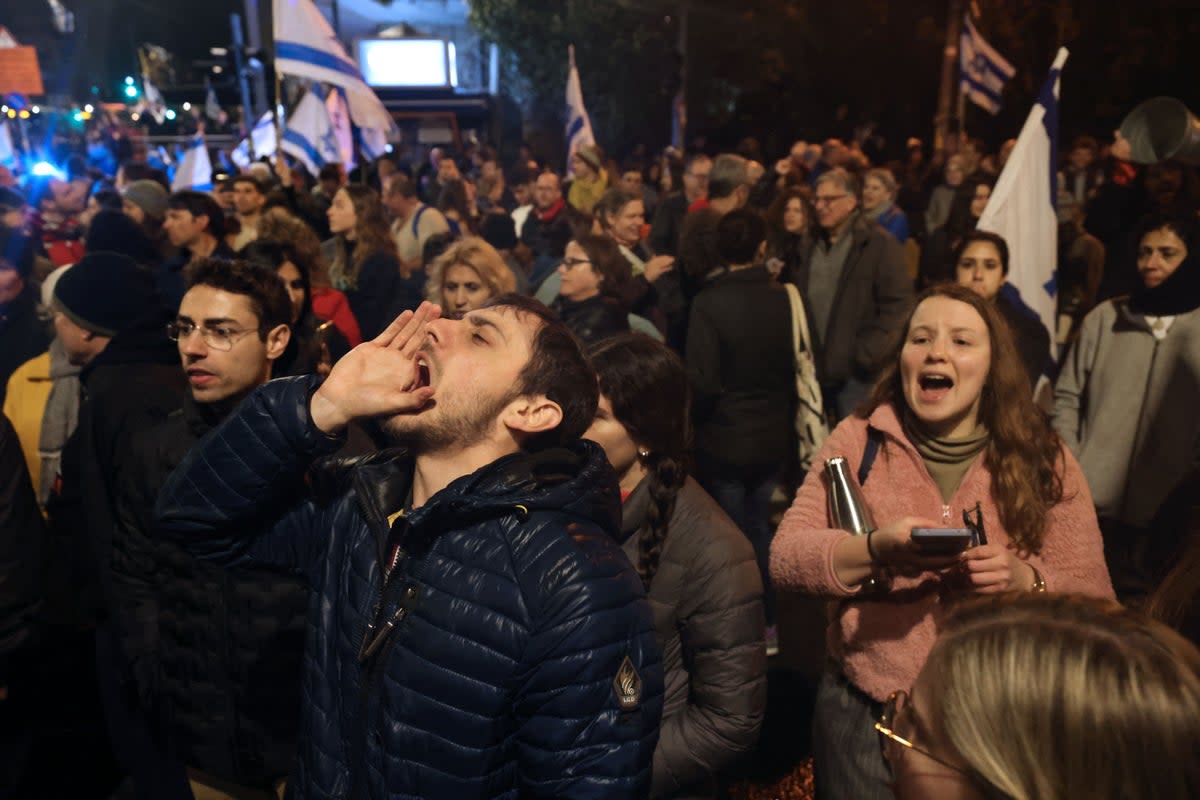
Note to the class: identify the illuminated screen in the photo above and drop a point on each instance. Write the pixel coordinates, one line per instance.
(406, 62)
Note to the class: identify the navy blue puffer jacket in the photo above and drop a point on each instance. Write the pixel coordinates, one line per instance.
(507, 674)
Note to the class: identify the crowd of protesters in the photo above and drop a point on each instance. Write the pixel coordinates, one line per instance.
(452, 478)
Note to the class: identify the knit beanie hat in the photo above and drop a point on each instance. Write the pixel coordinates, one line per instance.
(149, 196)
(105, 293)
(591, 156)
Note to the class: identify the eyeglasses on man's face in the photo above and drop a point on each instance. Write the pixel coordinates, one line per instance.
(218, 337)
(828, 199)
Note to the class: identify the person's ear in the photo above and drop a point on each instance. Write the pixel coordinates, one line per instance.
(532, 414)
(760, 255)
(277, 341)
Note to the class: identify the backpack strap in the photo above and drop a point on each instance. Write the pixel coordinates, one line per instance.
(417, 220)
(874, 440)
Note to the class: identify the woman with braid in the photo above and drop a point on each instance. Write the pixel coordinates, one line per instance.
(699, 570)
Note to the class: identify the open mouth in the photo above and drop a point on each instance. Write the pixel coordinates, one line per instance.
(934, 386)
(422, 378)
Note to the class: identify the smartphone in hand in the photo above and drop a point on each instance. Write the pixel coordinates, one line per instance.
(943, 541)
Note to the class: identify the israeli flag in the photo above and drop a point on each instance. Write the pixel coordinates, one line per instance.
(8, 154)
(195, 170)
(1023, 205)
(982, 71)
(339, 117)
(263, 137)
(305, 46)
(579, 125)
(310, 137)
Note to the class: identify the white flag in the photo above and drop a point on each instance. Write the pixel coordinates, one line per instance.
(579, 126)
(263, 137)
(195, 170)
(982, 71)
(8, 153)
(1022, 206)
(309, 136)
(307, 47)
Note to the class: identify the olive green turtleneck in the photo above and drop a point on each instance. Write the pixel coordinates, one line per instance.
(947, 459)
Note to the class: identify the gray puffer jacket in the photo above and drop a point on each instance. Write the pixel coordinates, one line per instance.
(707, 602)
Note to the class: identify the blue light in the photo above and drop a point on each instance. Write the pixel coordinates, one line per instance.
(131, 91)
(45, 169)
(129, 80)
(170, 113)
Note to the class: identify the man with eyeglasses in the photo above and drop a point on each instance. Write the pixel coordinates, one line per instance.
(668, 219)
(225, 644)
(856, 287)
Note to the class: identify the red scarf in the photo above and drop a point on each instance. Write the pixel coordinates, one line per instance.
(550, 213)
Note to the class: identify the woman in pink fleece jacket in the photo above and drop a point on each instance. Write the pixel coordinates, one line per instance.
(955, 427)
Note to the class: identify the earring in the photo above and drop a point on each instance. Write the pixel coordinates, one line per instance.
(643, 452)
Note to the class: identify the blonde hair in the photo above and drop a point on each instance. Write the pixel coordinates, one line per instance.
(1058, 697)
(480, 256)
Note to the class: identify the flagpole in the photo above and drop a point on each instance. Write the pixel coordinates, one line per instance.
(949, 63)
(275, 115)
(962, 114)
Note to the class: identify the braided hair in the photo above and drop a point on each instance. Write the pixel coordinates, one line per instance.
(646, 384)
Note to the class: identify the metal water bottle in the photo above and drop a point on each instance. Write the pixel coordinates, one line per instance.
(848, 508)
(846, 504)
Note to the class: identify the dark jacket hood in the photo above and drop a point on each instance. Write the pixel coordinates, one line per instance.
(143, 342)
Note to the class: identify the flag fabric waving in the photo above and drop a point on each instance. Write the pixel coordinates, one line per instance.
(8, 153)
(305, 46)
(310, 137)
(195, 170)
(1023, 205)
(579, 125)
(212, 106)
(339, 118)
(263, 137)
(982, 71)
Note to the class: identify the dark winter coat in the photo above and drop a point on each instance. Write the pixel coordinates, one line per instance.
(741, 368)
(22, 540)
(136, 380)
(514, 611)
(708, 613)
(228, 641)
(869, 303)
(593, 319)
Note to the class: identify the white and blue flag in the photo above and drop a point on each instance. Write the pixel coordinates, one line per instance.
(8, 153)
(263, 138)
(306, 46)
(579, 125)
(195, 170)
(339, 117)
(310, 137)
(982, 71)
(1023, 205)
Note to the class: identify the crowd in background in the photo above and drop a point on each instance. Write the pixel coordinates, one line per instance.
(1075, 447)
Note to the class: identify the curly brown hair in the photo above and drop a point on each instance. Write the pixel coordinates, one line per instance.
(1024, 453)
(371, 235)
(280, 225)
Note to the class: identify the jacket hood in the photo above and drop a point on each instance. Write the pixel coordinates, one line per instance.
(144, 342)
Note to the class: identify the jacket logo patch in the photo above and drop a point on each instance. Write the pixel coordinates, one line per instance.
(628, 685)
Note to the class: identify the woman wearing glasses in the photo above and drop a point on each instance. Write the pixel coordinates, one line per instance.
(950, 425)
(593, 274)
(1053, 698)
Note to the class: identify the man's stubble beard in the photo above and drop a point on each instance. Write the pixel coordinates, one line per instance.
(461, 424)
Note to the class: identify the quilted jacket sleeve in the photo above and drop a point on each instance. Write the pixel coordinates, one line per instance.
(574, 737)
(723, 641)
(234, 498)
